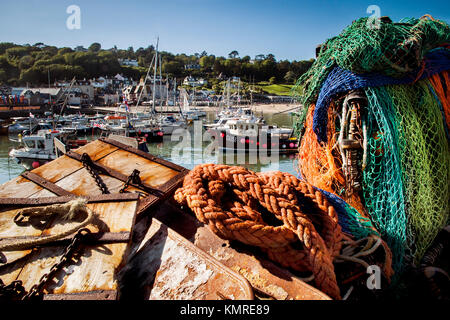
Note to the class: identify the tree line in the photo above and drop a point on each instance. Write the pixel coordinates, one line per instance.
(40, 64)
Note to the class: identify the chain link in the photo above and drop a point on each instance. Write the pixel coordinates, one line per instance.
(133, 178)
(68, 254)
(15, 290)
(88, 164)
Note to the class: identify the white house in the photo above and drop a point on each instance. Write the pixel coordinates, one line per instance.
(191, 81)
(128, 62)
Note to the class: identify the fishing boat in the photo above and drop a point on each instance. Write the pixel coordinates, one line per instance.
(169, 124)
(20, 124)
(39, 148)
(121, 125)
(250, 136)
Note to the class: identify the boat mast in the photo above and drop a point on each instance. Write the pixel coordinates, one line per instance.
(160, 83)
(228, 92)
(145, 81)
(154, 76)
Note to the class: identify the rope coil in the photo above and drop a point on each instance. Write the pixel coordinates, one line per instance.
(67, 211)
(231, 201)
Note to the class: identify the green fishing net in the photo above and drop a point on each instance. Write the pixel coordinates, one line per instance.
(405, 182)
(369, 45)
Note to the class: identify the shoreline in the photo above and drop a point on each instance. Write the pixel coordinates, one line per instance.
(272, 108)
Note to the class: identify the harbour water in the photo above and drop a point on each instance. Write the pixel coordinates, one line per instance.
(170, 150)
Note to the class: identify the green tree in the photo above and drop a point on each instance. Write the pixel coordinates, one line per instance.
(95, 47)
(233, 54)
(26, 62)
(289, 77)
(272, 80)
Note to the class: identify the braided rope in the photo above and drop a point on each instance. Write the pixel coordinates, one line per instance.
(229, 200)
(67, 211)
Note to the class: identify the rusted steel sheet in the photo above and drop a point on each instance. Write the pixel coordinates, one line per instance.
(102, 253)
(46, 184)
(112, 197)
(265, 277)
(165, 266)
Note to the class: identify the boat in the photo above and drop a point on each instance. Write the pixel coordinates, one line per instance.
(250, 136)
(122, 125)
(169, 124)
(20, 124)
(188, 112)
(39, 148)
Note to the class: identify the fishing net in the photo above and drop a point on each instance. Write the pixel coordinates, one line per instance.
(369, 45)
(374, 131)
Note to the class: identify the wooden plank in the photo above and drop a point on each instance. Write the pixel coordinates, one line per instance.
(58, 168)
(98, 263)
(94, 270)
(18, 187)
(96, 149)
(168, 267)
(143, 154)
(102, 169)
(44, 183)
(9, 229)
(151, 173)
(42, 194)
(83, 184)
(64, 166)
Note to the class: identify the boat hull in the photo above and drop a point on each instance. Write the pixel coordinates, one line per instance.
(260, 143)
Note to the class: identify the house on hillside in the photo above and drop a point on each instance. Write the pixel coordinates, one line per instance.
(192, 67)
(191, 81)
(128, 62)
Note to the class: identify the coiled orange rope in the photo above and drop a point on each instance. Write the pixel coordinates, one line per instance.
(231, 200)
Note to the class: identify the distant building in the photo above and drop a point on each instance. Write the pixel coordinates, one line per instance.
(192, 67)
(191, 81)
(128, 62)
(80, 49)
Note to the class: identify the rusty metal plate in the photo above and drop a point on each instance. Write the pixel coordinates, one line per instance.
(166, 266)
(266, 278)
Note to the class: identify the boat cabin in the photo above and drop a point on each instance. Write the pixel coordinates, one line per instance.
(43, 140)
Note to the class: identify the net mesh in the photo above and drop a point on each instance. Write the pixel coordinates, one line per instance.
(375, 46)
(401, 69)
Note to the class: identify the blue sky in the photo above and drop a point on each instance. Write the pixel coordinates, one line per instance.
(288, 29)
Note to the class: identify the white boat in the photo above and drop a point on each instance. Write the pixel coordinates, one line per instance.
(120, 125)
(169, 124)
(22, 123)
(245, 114)
(246, 135)
(36, 150)
(189, 113)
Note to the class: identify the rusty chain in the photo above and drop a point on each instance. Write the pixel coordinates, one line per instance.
(88, 164)
(15, 290)
(133, 178)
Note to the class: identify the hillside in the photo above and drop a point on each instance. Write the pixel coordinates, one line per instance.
(40, 64)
